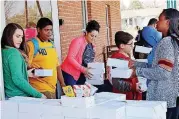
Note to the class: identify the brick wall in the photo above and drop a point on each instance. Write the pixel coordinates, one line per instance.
(97, 11)
(71, 12)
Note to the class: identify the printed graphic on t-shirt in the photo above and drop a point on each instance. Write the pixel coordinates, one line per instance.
(42, 51)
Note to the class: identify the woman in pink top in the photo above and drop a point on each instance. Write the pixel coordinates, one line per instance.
(80, 53)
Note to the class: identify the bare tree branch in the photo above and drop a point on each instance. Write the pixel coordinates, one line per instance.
(9, 6)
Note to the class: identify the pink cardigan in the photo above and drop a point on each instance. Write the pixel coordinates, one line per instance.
(72, 63)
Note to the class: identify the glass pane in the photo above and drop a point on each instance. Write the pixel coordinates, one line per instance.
(26, 14)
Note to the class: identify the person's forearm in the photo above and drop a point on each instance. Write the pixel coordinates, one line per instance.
(60, 76)
(141, 64)
(154, 73)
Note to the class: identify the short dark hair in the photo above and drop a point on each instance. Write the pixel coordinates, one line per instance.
(43, 22)
(61, 22)
(152, 21)
(92, 25)
(122, 37)
(7, 36)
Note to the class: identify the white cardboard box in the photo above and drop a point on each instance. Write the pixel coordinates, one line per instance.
(146, 109)
(8, 114)
(100, 99)
(110, 96)
(122, 64)
(137, 118)
(38, 106)
(78, 102)
(43, 72)
(111, 110)
(29, 116)
(74, 112)
(7, 105)
(142, 49)
(143, 83)
(99, 66)
(97, 79)
(97, 70)
(50, 116)
(75, 118)
(142, 60)
(8, 110)
(30, 106)
(121, 73)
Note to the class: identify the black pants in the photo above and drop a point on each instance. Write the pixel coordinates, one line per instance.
(81, 80)
(144, 94)
(173, 113)
(106, 87)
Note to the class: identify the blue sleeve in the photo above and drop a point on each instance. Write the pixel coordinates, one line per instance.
(152, 37)
(158, 36)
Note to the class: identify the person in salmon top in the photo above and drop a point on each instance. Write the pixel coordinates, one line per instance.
(81, 52)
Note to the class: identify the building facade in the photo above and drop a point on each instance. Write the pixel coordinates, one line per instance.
(77, 13)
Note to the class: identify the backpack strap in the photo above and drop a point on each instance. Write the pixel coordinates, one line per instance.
(53, 45)
(36, 46)
(144, 42)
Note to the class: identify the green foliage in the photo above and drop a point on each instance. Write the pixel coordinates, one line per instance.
(18, 18)
(136, 4)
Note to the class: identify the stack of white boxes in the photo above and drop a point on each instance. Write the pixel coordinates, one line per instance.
(144, 50)
(121, 69)
(97, 70)
(146, 109)
(93, 107)
(32, 108)
(100, 106)
(8, 110)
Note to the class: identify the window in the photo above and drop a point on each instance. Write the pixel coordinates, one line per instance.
(84, 13)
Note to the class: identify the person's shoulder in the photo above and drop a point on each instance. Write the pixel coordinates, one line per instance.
(146, 30)
(79, 39)
(166, 41)
(11, 51)
(30, 43)
(116, 55)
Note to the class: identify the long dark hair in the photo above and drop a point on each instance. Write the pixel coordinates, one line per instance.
(173, 16)
(7, 36)
(174, 29)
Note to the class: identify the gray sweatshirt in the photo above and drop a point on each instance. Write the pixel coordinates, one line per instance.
(163, 84)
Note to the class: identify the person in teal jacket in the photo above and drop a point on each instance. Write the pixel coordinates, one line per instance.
(14, 60)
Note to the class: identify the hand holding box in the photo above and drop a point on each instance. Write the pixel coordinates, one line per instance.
(122, 64)
(43, 72)
(121, 73)
(142, 49)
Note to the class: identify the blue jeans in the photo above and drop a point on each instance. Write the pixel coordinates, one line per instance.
(69, 80)
(81, 80)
